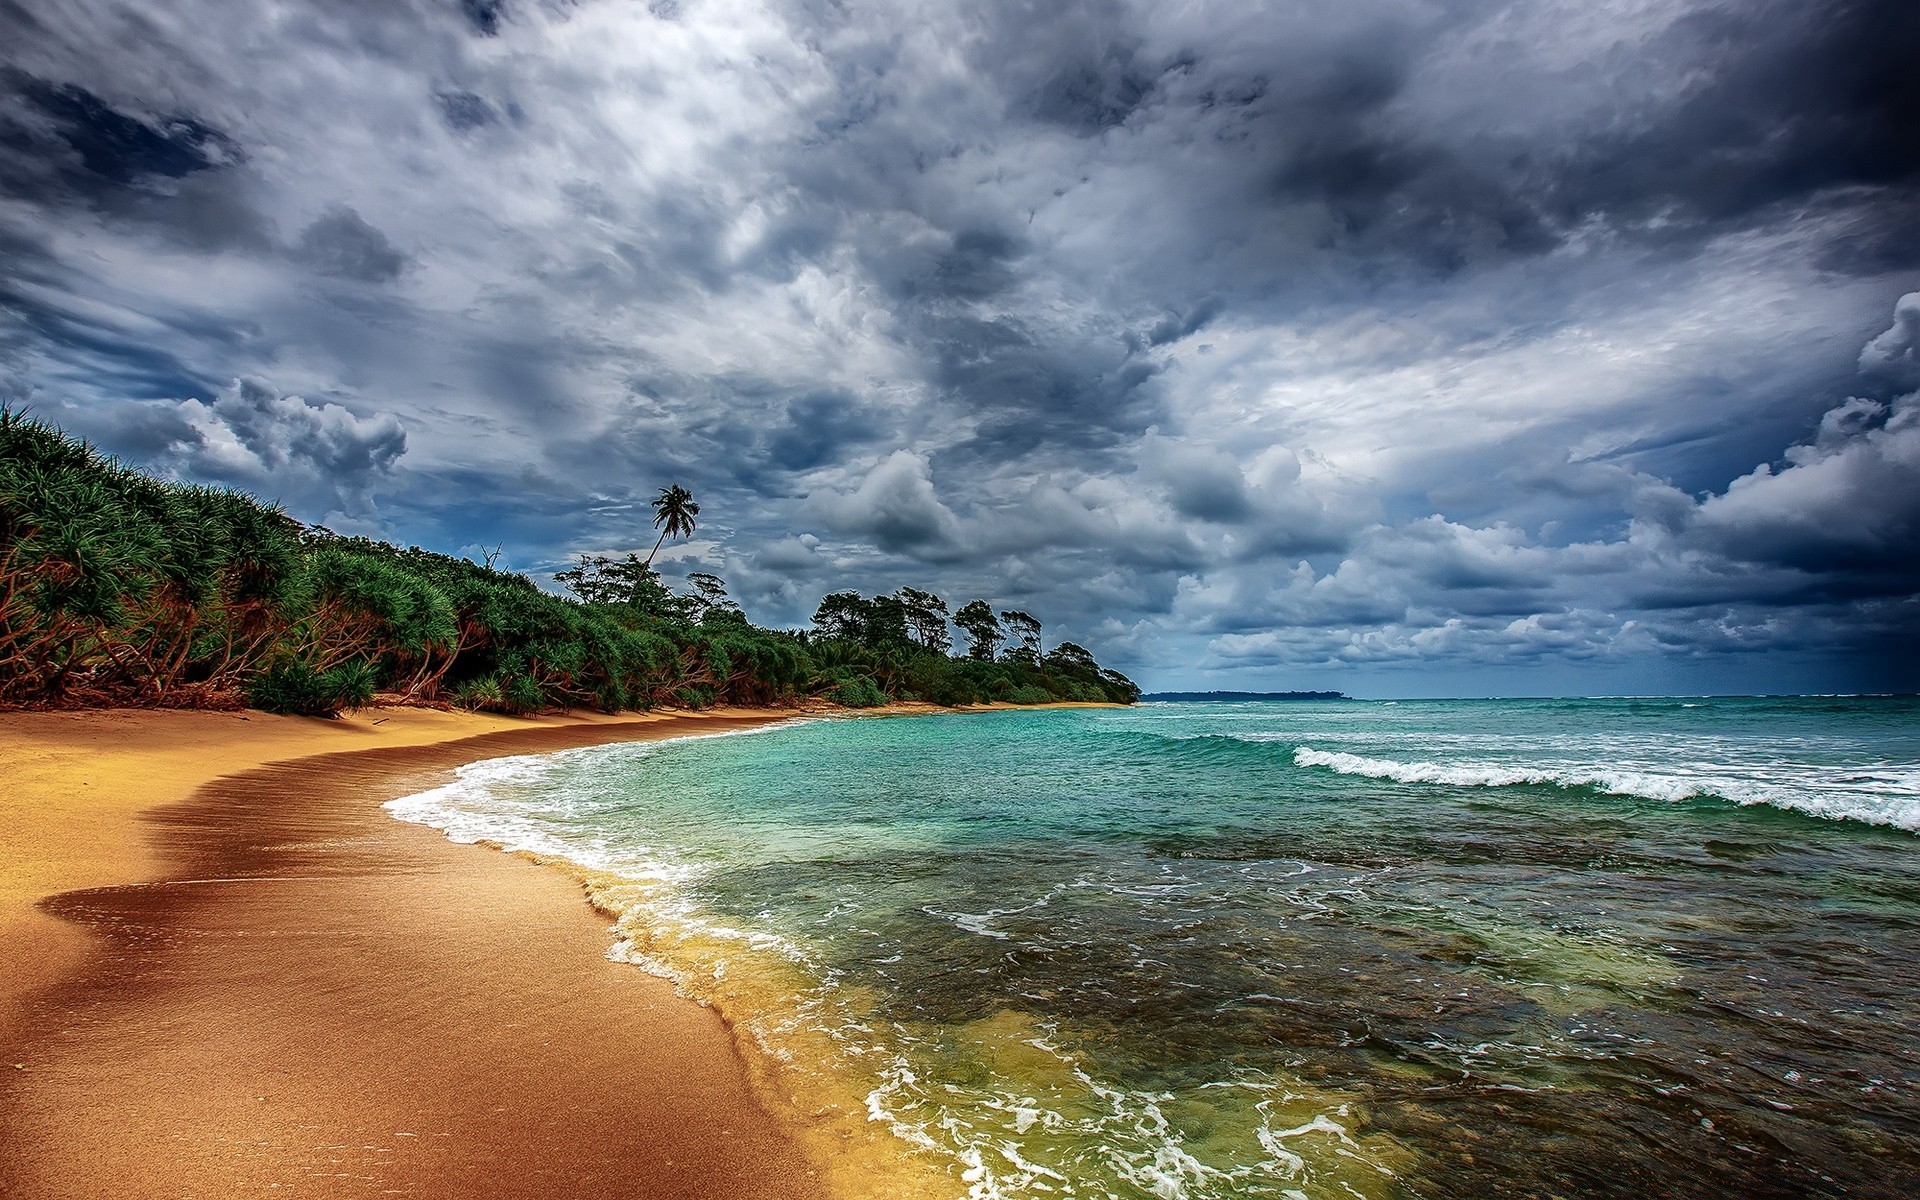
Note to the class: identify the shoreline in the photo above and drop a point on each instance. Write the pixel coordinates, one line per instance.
(268, 982)
(169, 874)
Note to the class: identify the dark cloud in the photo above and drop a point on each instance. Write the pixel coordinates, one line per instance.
(465, 110)
(46, 332)
(1893, 358)
(1845, 507)
(1077, 66)
(1174, 326)
(108, 147)
(896, 506)
(1030, 390)
(483, 15)
(818, 429)
(979, 265)
(62, 145)
(340, 242)
(1796, 102)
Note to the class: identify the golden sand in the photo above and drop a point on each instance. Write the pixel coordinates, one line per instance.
(73, 786)
(220, 977)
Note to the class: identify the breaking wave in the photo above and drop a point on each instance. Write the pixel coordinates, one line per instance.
(1885, 797)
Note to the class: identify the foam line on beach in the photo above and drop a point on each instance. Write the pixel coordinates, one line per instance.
(468, 808)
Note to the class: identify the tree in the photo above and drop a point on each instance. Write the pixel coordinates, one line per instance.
(876, 624)
(1025, 630)
(710, 599)
(927, 614)
(886, 623)
(673, 512)
(1072, 659)
(982, 628)
(601, 580)
(841, 615)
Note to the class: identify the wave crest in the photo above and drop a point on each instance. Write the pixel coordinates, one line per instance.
(1899, 812)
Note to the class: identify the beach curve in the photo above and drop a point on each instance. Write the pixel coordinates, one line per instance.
(241, 974)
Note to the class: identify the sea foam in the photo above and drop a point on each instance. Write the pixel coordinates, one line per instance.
(1889, 798)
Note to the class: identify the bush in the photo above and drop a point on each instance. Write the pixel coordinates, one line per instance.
(696, 696)
(294, 688)
(480, 694)
(1030, 695)
(520, 693)
(858, 693)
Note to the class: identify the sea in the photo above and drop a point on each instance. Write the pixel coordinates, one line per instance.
(1647, 947)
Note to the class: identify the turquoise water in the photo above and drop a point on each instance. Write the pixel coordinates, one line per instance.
(1426, 948)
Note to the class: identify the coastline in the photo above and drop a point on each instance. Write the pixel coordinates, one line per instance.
(169, 876)
(227, 969)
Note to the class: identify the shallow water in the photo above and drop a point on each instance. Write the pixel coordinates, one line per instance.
(1445, 948)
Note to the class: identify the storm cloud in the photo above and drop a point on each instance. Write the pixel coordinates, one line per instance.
(1396, 347)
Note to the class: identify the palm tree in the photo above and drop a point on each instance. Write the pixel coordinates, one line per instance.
(673, 514)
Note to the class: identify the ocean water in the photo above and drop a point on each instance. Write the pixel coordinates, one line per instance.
(1619, 947)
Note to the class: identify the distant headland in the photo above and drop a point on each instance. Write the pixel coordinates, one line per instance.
(1238, 697)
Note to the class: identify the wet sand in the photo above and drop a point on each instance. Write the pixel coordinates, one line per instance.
(309, 998)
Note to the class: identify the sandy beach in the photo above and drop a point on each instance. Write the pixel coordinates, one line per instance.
(224, 971)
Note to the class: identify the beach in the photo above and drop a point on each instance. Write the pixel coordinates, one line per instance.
(265, 984)
(1450, 949)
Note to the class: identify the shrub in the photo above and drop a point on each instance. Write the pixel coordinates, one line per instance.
(295, 688)
(858, 693)
(520, 693)
(480, 694)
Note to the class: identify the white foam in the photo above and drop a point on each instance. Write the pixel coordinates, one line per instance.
(476, 807)
(1887, 797)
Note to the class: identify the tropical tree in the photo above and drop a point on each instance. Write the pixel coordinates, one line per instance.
(709, 598)
(878, 623)
(927, 614)
(982, 628)
(1025, 630)
(841, 615)
(602, 580)
(674, 510)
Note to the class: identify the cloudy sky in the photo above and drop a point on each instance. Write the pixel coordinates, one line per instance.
(1407, 348)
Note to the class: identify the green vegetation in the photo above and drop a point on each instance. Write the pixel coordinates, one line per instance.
(899, 644)
(117, 588)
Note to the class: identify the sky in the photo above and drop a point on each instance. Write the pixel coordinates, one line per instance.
(1452, 347)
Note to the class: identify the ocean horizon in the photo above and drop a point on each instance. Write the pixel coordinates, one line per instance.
(1375, 947)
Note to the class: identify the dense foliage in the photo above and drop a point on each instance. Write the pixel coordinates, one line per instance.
(117, 588)
(897, 646)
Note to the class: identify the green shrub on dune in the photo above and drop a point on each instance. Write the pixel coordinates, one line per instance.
(117, 588)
